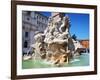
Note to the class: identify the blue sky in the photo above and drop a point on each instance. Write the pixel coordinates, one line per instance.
(79, 24)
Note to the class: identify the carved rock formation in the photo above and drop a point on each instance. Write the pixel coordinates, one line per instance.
(55, 44)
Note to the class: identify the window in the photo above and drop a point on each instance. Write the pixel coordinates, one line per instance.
(37, 17)
(34, 18)
(42, 25)
(42, 19)
(28, 18)
(25, 44)
(39, 23)
(28, 12)
(45, 20)
(23, 27)
(26, 34)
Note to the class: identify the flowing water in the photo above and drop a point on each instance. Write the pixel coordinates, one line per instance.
(82, 60)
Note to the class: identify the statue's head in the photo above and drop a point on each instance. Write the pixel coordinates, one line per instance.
(66, 19)
(61, 15)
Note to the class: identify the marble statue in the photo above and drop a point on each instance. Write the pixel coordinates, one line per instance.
(56, 44)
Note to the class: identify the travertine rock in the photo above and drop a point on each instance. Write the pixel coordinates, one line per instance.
(56, 39)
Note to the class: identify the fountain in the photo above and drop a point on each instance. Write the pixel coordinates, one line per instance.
(56, 44)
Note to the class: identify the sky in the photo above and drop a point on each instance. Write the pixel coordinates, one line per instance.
(79, 24)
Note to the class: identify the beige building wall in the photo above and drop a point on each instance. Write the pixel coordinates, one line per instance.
(31, 22)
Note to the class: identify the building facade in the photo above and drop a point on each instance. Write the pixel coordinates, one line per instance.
(32, 22)
(85, 44)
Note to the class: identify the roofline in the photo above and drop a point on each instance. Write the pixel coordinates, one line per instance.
(83, 40)
(41, 14)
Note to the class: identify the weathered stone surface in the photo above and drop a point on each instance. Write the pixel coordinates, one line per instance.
(56, 41)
